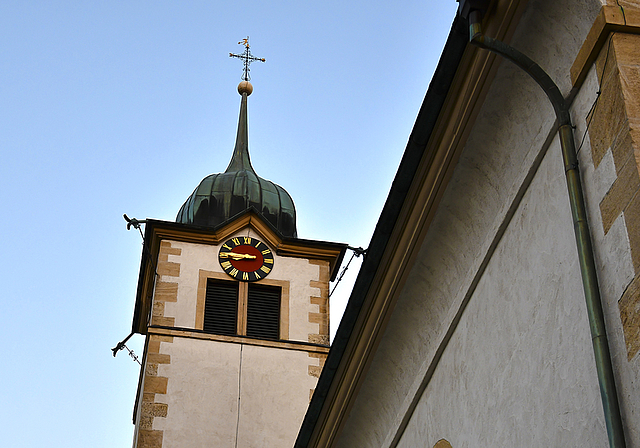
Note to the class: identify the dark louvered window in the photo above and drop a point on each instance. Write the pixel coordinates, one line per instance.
(221, 307)
(263, 311)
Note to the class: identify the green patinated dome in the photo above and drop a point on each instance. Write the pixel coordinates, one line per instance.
(220, 197)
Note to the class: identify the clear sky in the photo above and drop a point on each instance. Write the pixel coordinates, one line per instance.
(112, 107)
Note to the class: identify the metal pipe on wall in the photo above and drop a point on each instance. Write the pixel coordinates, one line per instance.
(586, 259)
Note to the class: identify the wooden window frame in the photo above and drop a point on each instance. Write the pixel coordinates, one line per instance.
(243, 292)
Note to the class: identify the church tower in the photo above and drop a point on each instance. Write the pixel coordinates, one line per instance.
(235, 312)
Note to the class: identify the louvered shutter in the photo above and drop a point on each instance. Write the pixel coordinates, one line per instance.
(263, 311)
(221, 307)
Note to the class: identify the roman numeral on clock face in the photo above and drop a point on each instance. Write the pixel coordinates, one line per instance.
(246, 258)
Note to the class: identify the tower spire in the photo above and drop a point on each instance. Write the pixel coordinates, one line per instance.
(220, 197)
(240, 159)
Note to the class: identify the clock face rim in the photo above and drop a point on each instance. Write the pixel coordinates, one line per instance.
(246, 270)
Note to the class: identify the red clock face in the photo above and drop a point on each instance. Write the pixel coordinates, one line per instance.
(246, 258)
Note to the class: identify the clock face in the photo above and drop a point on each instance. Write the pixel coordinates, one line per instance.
(245, 258)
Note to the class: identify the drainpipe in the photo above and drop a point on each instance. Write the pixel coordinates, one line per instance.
(613, 419)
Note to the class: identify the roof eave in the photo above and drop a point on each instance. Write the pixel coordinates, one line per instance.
(420, 134)
(454, 98)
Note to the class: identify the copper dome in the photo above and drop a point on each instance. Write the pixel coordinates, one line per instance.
(220, 197)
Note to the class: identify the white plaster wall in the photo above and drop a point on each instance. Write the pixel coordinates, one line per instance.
(301, 272)
(202, 393)
(298, 271)
(519, 369)
(205, 379)
(275, 396)
(192, 258)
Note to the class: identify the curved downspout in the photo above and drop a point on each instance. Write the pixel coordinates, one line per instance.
(604, 366)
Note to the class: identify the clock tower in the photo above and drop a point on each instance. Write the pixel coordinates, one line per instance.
(235, 310)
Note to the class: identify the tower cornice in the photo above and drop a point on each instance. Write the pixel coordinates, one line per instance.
(156, 231)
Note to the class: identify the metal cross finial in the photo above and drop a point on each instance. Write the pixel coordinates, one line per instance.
(247, 57)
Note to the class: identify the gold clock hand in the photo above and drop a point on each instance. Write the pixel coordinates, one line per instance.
(237, 256)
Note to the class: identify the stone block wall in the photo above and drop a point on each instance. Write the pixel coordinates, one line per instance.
(320, 317)
(615, 127)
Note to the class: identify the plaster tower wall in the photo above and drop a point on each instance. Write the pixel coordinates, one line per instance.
(236, 312)
(201, 389)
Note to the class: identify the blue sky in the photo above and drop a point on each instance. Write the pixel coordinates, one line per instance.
(112, 107)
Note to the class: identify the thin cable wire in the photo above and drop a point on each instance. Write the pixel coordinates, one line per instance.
(145, 250)
(132, 354)
(136, 224)
(591, 112)
(357, 251)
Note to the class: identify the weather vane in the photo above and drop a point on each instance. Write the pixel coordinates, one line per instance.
(247, 57)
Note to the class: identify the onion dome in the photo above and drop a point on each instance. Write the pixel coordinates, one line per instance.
(220, 197)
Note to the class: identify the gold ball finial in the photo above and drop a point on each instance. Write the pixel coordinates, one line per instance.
(245, 87)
